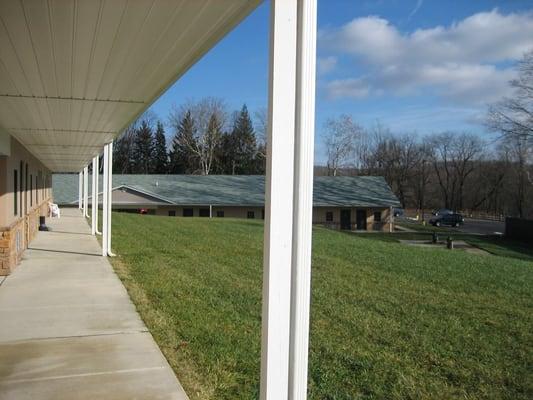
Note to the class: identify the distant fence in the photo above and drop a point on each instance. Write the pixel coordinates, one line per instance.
(517, 228)
(413, 213)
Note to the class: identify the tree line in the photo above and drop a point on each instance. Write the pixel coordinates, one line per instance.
(206, 140)
(456, 170)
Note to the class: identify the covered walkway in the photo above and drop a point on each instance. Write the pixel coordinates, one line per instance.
(68, 329)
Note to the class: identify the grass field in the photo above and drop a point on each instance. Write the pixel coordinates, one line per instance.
(388, 321)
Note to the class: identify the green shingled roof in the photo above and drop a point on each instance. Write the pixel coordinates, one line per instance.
(237, 190)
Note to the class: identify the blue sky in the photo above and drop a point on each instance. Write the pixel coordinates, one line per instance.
(414, 66)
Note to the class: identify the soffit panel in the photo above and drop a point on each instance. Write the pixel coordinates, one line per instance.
(74, 74)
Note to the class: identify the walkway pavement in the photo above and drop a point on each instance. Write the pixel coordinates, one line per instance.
(68, 329)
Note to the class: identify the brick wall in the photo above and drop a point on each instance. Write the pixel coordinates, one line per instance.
(15, 238)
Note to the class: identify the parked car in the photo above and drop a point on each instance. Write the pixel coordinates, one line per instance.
(448, 219)
(442, 211)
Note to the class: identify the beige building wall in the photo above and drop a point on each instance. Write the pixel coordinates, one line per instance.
(19, 224)
(320, 217)
(229, 212)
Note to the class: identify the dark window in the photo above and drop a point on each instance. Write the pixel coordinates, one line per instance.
(263, 213)
(329, 216)
(250, 215)
(204, 212)
(188, 212)
(26, 188)
(21, 187)
(172, 213)
(31, 190)
(220, 214)
(15, 192)
(377, 216)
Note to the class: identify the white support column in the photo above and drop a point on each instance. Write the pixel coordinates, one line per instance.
(86, 191)
(80, 190)
(109, 196)
(303, 198)
(96, 172)
(104, 203)
(277, 253)
(94, 204)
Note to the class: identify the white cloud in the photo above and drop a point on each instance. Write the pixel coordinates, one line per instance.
(459, 61)
(356, 88)
(326, 64)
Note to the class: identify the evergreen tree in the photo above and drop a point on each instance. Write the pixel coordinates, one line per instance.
(241, 147)
(182, 160)
(160, 157)
(143, 149)
(123, 152)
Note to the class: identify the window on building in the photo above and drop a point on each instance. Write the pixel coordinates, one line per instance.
(172, 213)
(21, 187)
(220, 214)
(250, 215)
(188, 212)
(15, 192)
(204, 212)
(377, 216)
(31, 190)
(329, 216)
(26, 186)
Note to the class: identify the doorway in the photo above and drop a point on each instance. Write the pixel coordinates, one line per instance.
(360, 219)
(346, 219)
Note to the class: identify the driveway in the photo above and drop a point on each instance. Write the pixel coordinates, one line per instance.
(483, 227)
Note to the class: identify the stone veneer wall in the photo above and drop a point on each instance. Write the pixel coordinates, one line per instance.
(15, 238)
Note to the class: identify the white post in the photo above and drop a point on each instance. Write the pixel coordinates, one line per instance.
(391, 219)
(109, 196)
(80, 190)
(210, 211)
(93, 204)
(277, 253)
(96, 172)
(104, 203)
(86, 191)
(303, 199)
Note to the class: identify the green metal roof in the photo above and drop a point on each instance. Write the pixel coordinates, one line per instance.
(237, 190)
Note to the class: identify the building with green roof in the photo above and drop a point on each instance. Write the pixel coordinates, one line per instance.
(342, 202)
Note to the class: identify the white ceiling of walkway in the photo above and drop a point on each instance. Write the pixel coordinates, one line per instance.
(74, 74)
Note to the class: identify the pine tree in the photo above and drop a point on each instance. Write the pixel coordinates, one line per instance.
(160, 157)
(143, 149)
(123, 152)
(182, 160)
(241, 145)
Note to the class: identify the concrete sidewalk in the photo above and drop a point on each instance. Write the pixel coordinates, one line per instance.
(68, 329)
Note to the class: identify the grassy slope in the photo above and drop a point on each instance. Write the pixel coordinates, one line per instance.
(388, 320)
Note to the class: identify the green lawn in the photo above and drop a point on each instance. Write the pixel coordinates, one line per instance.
(389, 321)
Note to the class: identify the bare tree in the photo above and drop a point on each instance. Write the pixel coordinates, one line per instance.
(454, 159)
(396, 158)
(514, 116)
(520, 154)
(210, 117)
(340, 139)
(421, 176)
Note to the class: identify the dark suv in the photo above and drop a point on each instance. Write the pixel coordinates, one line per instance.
(448, 219)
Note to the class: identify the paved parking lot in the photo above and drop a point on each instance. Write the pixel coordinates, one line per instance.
(483, 227)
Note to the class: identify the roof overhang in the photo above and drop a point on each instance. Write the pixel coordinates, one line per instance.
(75, 74)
